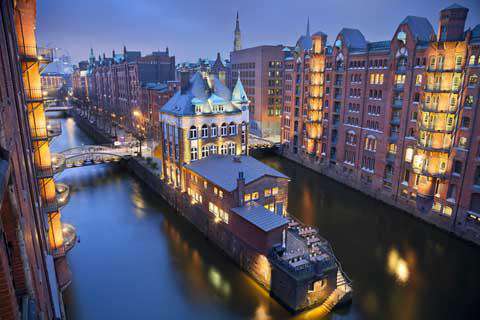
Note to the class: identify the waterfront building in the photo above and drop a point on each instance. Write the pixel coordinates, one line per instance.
(218, 67)
(395, 119)
(204, 117)
(114, 83)
(239, 202)
(33, 239)
(261, 71)
(80, 81)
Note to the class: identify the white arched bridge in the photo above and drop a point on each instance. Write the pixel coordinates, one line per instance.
(93, 154)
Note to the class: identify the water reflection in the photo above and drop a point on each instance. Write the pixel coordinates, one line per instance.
(397, 266)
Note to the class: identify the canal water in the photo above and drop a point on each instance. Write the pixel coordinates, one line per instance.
(136, 259)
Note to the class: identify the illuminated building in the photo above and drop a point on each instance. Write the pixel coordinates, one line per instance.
(395, 119)
(261, 71)
(33, 239)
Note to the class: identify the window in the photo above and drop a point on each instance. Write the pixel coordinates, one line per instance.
(452, 192)
(457, 167)
(205, 151)
(371, 143)
(267, 192)
(232, 129)
(213, 149)
(247, 197)
(476, 179)
(254, 195)
(223, 129)
(472, 80)
(213, 130)
(193, 153)
(418, 80)
(275, 191)
(192, 132)
(204, 131)
(231, 148)
(465, 122)
(223, 149)
(471, 61)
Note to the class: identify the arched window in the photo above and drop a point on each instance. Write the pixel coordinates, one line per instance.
(232, 129)
(214, 130)
(223, 129)
(204, 131)
(231, 148)
(371, 143)
(223, 149)
(192, 134)
(213, 149)
(205, 151)
(471, 61)
(472, 80)
(193, 153)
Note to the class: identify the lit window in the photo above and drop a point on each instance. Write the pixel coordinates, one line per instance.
(418, 80)
(472, 60)
(447, 210)
(205, 184)
(275, 191)
(255, 196)
(247, 197)
(268, 192)
(192, 133)
(215, 190)
(409, 154)
(193, 154)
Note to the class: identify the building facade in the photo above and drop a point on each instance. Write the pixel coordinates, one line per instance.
(33, 242)
(114, 84)
(261, 72)
(395, 119)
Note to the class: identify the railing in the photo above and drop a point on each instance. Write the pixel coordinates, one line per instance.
(401, 69)
(395, 121)
(428, 146)
(44, 172)
(398, 86)
(435, 108)
(436, 88)
(49, 205)
(36, 53)
(435, 128)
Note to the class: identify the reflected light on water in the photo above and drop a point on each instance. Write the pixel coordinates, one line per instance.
(397, 266)
(138, 202)
(261, 313)
(218, 282)
(70, 126)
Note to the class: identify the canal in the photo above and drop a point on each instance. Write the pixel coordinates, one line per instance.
(136, 259)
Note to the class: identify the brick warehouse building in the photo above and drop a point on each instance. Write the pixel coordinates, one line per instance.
(395, 119)
(114, 84)
(33, 239)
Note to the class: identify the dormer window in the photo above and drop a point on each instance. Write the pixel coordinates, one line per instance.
(221, 108)
(402, 36)
(198, 109)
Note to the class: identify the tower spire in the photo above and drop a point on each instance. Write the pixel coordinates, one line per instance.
(237, 42)
(308, 27)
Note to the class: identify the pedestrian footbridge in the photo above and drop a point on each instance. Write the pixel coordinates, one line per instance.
(93, 154)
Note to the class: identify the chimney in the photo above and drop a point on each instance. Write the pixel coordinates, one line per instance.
(240, 188)
(184, 81)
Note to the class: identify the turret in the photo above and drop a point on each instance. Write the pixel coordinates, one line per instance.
(239, 96)
(452, 23)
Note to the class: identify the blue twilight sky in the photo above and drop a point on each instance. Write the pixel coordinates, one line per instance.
(200, 28)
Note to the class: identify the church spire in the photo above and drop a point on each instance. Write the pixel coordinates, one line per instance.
(237, 43)
(308, 27)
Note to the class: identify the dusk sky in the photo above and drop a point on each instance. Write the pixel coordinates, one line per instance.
(193, 28)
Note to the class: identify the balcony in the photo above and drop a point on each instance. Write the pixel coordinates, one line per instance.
(429, 173)
(37, 95)
(398, 86)
(436, 88)
(338, 97)
(431, 127)
(393, 137)
(457, 68)
(436, 108)
(62, 192)
(69, 239)
(52, 129)
(44, 172)
(395, 121)
(33, 53)
(401, 69)
(445, 148)
(397, 103)
(49, 205)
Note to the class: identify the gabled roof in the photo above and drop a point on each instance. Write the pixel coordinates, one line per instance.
(475, 34)
(420, 27)
(261, 217)
(353, 39)
(223, 170)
